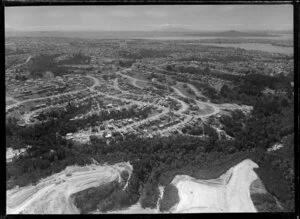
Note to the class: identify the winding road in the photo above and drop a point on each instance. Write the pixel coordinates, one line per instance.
(211, 108)
(184, 107)
(201, 104)
(140, 103)
(134, 80)
(43, 98)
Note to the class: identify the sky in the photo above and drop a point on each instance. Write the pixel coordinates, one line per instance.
(150, 17)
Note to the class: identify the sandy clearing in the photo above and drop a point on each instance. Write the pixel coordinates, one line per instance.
(233, 106)
(11, 153)
(134, 209)
(229, 193)
(52, 195)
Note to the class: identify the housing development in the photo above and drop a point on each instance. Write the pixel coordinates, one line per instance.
(145, 125)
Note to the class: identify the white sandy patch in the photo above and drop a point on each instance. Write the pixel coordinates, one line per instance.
(134, 209)
(11, 153)
(229, 193)
(130, 173)
(52, 194)
(161, 194)
(233, 106)
(275, 147)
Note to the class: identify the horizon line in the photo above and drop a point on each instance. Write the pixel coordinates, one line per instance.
(187, 30)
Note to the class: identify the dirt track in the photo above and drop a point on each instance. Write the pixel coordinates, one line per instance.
(52, 194)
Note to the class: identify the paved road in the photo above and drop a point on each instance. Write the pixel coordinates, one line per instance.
(8, 98)
(164, 110)
(184, 106)
(125, 128)
(134, 80)
(201, 104)
(52, 96)
(197, 92)
(18, 65)
(27, 116)
(43, 98)
(179, 92)
(116, 86)
(211, 108)
(96, 83)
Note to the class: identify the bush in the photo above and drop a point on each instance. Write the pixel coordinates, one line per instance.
(87, 200)
(124, 175)
(149, 195)
(274, 181)
(265, 203)
(169, 199)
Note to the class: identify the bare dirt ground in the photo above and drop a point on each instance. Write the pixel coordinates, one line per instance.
(232, 106)
(52, 194)
(229, 193)
(11, 153)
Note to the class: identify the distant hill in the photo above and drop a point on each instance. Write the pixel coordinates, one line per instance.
(233, 33)
(173, 29)
(282, 31)
(8, 29)
(166, 32)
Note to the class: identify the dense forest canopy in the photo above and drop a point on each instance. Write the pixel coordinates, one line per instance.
(42, 63)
